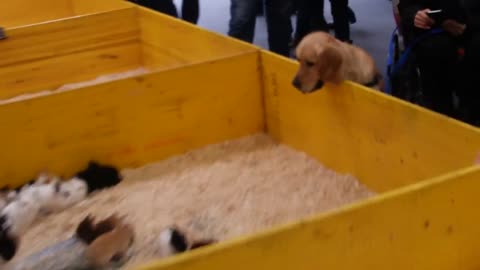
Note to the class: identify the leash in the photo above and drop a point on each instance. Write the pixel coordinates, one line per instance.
(393, 69)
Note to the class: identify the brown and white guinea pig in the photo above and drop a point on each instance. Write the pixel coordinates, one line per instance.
(172, 241)
(113, 246)
(47, 194)
(94, 245)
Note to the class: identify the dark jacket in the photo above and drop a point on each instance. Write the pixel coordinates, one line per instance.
(472, 10)
(452, 9)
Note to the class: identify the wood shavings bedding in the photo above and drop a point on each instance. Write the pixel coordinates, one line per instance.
(221, 191)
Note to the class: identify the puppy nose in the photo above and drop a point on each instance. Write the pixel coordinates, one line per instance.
(319, 85)
(296, 82)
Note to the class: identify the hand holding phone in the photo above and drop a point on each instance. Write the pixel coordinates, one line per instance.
(423, 20)
(436, 15)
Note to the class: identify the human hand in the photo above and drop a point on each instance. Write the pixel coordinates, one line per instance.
(422, 20)
(453, 27)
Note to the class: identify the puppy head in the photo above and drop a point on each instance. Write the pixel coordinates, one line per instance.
(320, 62)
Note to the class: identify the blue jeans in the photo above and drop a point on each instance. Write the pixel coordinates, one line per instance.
(279, 25)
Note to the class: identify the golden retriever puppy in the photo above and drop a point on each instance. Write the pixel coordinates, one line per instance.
(324, 58)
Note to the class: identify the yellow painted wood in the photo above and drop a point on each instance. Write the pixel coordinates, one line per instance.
(83, 48)
(428, 226)
(131, 122)
(69, 36)
(26, 12)
(385, 142)
(68, 51)
(173, 41)
(51, 73)
(85, 7)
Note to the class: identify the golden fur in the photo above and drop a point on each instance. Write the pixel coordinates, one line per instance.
(323, 58)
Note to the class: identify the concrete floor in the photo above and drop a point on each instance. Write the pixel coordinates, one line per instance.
(371, 32)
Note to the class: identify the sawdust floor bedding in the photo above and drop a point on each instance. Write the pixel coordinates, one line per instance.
(221, 191)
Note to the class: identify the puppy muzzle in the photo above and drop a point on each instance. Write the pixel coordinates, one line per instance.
(297, 84)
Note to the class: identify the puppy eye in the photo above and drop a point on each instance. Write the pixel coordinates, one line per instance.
(310, 63)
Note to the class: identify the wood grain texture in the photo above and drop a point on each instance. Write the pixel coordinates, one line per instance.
(383, 141)
(51, 73)
(46, 56)
(133, 121)
(25, 12)
(169, 40)
(83, 48)
(85, 7)
(26, 44)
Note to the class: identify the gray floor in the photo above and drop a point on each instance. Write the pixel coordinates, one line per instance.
(371, 32)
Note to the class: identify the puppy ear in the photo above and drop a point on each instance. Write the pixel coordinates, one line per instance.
(333, 60)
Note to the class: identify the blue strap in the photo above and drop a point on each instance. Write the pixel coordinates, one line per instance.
(392, 68)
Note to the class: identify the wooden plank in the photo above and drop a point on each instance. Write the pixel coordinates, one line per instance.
(430, 226)
(133, 121)
(25, 12)
(157, 58)
(51, 73)
(82, 7)
(177, 42)
(383, 141)
(69, 36)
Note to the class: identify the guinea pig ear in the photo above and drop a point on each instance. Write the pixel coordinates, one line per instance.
(333, 60)
(202, 243)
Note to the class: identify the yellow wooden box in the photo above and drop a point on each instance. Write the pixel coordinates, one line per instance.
(421, 163)
(26, 12)
(45, 56)
(387, 143)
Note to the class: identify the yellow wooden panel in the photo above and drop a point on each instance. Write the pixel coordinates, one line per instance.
(82, 7)
(429, 226)
(51, 73)
(385, 142)
(174, 41)
(132, 121)
(157, 58)
(24, 12)
(69, 36)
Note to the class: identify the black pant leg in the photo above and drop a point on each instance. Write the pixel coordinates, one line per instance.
(191, 11)
(340, 19)
(437, 59)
